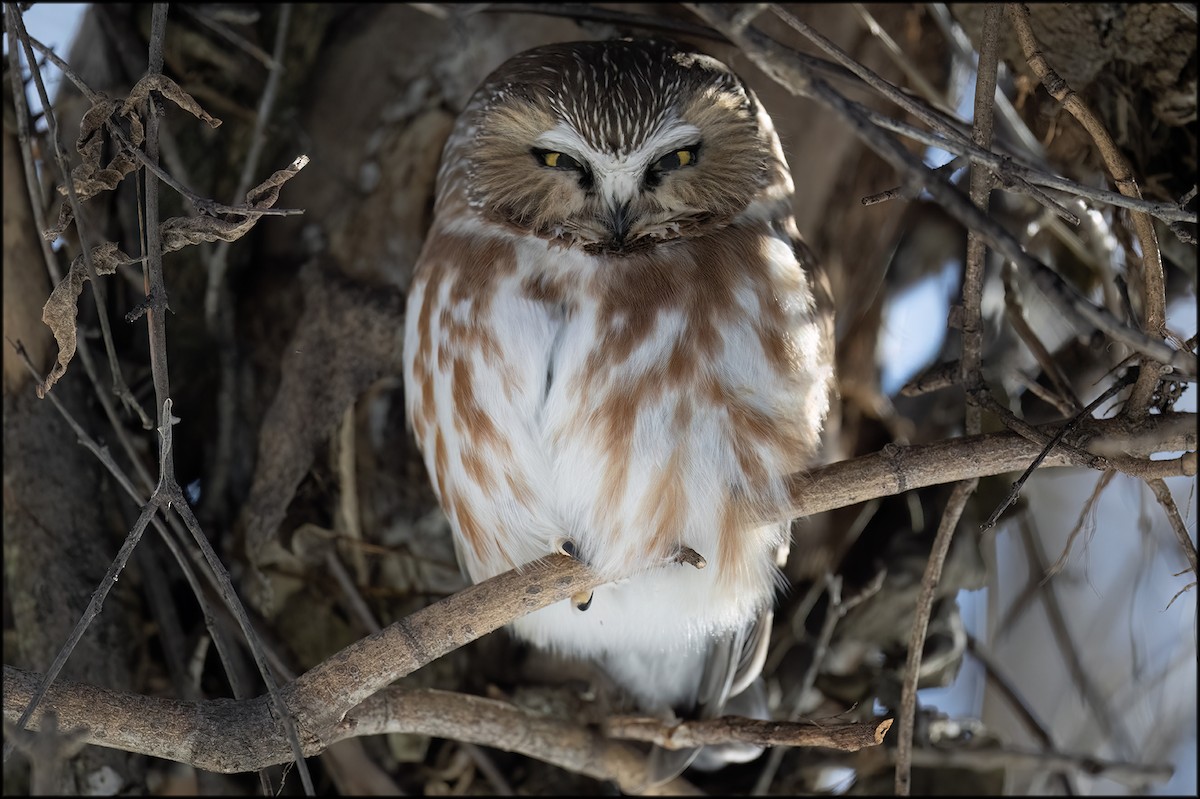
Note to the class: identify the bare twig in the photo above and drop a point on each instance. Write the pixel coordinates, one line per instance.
(1013, 174)
(1017, 702)
(217, 297)
(781, 64)
(1084, 512)
(900, 59)
(16, 26)
(1110, 723)
(1163, 494)
(726, 729)
(1111, 392)
(981, 186)
(1181, 592)
(1134, 775)
(168, 493)
(234, 38)
(941, 122)
(1051, 367)
(89, 614)
(203, 204)
(792, 704)
(916, 640)
(962, 47)
(1154, 311)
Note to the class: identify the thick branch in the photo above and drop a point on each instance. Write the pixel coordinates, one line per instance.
(227, 736)
(896, 469)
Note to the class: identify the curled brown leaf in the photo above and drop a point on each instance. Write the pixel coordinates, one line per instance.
(180, 231)
(62, 307)
(168, 88)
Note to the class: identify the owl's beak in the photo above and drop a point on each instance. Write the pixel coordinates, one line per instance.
(620, 220)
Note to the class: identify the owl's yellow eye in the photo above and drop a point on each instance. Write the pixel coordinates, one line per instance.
(677, 159)
(556, 160)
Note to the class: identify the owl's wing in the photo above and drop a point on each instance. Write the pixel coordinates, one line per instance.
(734, 663)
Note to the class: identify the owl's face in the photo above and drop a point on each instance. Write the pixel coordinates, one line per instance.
(613, 146)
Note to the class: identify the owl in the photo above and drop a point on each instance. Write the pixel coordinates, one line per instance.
(612, 347)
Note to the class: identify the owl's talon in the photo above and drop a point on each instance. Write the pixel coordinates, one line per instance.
(583, 600)
(567, 547)
(691, 557)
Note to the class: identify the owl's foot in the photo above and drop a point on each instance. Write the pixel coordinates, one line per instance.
(690, 556)
(583, 600)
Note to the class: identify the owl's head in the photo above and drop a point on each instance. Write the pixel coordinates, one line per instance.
(613, 146)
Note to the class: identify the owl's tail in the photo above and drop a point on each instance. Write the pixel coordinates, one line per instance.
(731, 685)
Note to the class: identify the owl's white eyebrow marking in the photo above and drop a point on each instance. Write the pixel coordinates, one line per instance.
(673, 133)
(620, 176)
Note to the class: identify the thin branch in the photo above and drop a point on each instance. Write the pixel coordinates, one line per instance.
(168, 493)
(727, 729)
(234, 38)
(172, 537)
(1154, 311)
(220, 259)
(1084, 513)
(16, 26)
(990, 758)
(995, 674)
(1163, 494)
(95, 604)
(781, 64)
(941, 122)
(23, 136)
(962, 47)
(1110, 723)
(219, 320)
(900, 59)
(836, 611)
(1051, 367)
(1047, 396)
(916, 640)
(202, 204)
(1111, 392)
(981, 187)
(1012, 173)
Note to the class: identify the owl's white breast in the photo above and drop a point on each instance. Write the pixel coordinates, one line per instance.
(604, 446)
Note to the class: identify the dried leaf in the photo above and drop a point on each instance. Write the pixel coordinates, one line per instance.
(169, 89)
(62, 307)
(90, 177)
(181, 231)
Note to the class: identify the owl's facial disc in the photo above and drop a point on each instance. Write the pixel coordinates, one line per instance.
(622, 207)
(613, 146)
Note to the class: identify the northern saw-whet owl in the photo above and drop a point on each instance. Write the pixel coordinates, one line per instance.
(611, 341)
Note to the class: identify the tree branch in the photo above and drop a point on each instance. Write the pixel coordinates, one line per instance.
(704, 732)
(896, 469)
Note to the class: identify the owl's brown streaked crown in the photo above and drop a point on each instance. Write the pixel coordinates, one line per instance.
(595, 86)
(615, 107)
